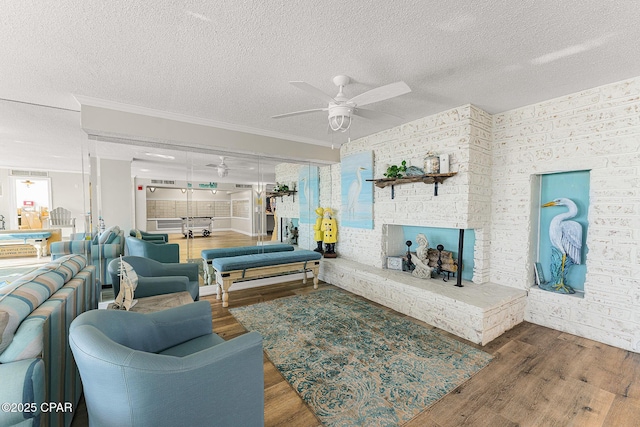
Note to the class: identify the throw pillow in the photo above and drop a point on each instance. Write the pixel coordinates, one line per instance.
(112, 237)
(138, 234)
(128, 285)
(106, 233)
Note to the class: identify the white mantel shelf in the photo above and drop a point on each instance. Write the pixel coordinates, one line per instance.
(476, 312)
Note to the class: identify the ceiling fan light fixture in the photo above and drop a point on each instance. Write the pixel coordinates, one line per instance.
(340, 118)
(223, 172)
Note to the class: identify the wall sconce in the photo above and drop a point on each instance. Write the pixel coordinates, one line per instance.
(184, 190)
(152, 189)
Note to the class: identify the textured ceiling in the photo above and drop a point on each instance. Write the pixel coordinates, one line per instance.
(230, 61)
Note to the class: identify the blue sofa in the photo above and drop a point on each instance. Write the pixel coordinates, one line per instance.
(167, 369)
(156, 278)
(100, 248)
(36, 364)
(161, 252)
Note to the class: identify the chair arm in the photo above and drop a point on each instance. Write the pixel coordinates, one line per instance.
(191, 270)
(154, 332)
(22, 383)
(150, 286)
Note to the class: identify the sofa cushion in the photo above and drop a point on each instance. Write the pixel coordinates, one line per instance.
(23, 296)
(68, 265)
(210, 254)
(244, 262)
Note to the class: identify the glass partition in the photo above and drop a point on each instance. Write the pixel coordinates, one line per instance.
(202, 199)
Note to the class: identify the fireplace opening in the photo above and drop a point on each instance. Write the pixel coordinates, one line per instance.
(397, 236)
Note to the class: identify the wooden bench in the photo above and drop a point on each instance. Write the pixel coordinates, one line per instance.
(232, 269)
(209, 255)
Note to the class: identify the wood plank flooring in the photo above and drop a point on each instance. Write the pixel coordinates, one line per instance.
(539, 376)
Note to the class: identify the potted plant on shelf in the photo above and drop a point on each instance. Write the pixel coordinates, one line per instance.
(395, 171)
(281, 188)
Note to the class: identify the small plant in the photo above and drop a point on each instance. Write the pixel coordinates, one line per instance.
(395, 171)
(281, 188)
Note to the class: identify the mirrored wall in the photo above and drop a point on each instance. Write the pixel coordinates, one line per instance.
(192, 200)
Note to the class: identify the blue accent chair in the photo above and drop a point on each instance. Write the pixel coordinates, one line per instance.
(165, 252)
(150, 237)
(156, 278)
(167, 369)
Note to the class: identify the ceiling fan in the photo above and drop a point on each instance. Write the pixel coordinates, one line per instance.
(223, 169)
(341, 109)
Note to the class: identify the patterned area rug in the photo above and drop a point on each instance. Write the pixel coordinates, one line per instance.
(356, 364)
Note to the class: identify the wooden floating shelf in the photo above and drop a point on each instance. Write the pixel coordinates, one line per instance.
(281, 194)
(429, 178)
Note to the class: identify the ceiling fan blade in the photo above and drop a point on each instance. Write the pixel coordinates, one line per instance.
(380, 94)
(295, 113)
(377, 115)
(312, 90)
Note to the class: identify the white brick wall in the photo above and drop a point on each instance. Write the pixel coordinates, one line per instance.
(463, 201)
(596, 129)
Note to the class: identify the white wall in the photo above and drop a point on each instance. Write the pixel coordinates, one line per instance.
(114, 190)
(599, 130)
(498, 160)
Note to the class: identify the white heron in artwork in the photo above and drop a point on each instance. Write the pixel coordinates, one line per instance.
(566, 238)
(354, 192)
(305, 189)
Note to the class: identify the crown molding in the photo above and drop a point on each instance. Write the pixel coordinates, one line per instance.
(135, 109)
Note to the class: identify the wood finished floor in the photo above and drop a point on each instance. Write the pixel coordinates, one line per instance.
(539, 376)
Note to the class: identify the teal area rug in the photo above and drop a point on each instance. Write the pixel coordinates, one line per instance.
(356, 364)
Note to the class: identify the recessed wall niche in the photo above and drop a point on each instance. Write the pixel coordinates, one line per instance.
(562, 229)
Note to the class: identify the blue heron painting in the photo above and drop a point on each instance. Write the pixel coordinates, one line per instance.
(566, 245)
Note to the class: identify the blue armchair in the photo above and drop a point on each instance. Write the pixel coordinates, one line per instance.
(164, 252)
(150, 237)
(167, 369)
(156, 278)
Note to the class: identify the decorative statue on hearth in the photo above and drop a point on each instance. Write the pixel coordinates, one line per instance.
(318, 234)
(330, 236)
(421, 261)
(292, 234)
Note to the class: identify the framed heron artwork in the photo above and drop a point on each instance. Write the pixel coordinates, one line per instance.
(356, 192)
(563, 227)
(308, 193)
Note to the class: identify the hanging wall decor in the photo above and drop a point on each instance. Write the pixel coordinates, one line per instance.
(308, 193)
(356, 192)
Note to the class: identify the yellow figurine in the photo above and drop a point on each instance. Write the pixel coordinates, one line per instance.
(330, 229)
(318, 235)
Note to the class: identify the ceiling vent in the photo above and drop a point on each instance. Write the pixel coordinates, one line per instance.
(15, 172)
